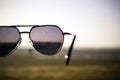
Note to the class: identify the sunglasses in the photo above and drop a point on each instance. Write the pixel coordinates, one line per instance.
(46, 39)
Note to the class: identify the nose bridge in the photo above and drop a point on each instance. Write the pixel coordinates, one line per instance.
(24, 32)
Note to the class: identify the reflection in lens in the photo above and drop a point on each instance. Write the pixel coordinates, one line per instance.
(47, 39)
(9, 37)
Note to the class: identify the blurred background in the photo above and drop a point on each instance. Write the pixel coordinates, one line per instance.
(96, 53)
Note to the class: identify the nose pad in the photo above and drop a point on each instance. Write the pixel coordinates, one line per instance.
(30, 41)
(19, 42)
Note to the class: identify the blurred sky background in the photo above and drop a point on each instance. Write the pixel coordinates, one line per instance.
(95, 22)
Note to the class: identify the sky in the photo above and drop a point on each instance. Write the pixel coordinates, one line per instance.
(96, 23)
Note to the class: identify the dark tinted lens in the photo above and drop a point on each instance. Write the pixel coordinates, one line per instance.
(47, 39)
(9, 37)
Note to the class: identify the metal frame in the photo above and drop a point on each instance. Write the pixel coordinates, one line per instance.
(33, 26)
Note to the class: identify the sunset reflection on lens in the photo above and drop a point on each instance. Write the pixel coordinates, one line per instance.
(47, 39)
(9, 38)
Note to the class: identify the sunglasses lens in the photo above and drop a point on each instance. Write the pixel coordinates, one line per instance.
(9, 37)
(47, 39)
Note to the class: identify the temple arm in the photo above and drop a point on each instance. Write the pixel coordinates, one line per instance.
(70, 48)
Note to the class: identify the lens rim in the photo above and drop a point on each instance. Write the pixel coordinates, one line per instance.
(17, 43)
(47, 26)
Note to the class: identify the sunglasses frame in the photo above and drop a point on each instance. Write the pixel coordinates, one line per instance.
(34, 26)
(47, 26)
